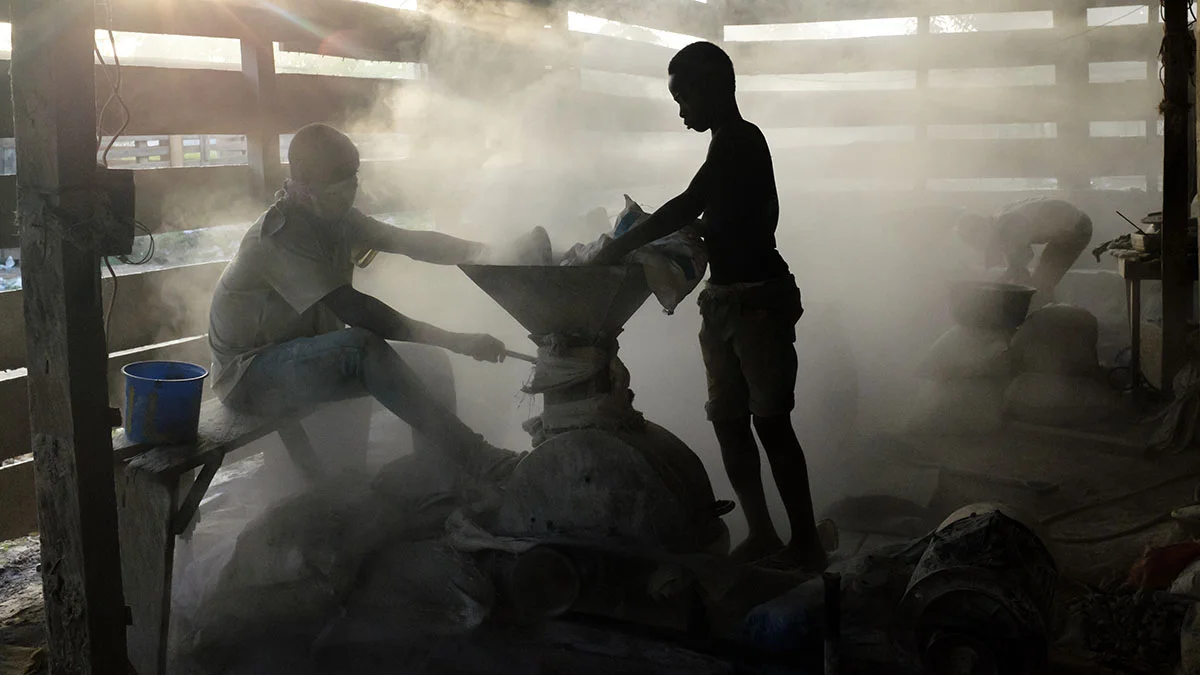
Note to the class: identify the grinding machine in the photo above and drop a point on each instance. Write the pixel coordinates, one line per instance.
(600, 478)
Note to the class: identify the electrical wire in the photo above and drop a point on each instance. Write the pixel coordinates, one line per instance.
(112, 301)
(115, 82)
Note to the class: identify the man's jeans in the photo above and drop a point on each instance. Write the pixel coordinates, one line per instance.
(352, 363)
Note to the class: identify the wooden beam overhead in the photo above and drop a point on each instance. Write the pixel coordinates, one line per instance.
(55, 123)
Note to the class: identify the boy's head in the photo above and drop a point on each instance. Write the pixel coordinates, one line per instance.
(702, 82)
(324, 162)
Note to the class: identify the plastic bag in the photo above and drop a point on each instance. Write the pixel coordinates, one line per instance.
(674, 265)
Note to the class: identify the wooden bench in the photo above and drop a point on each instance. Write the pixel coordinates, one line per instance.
(154, 508)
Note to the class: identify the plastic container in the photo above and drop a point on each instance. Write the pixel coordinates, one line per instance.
(162, 401)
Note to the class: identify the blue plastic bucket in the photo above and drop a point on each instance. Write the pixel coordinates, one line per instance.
(162, 401)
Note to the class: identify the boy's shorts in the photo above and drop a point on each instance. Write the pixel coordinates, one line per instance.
(748, 338)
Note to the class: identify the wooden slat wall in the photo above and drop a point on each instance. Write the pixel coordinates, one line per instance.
(151, 307)
(18, 505)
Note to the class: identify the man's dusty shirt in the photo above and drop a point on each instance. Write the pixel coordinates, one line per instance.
(271, 291)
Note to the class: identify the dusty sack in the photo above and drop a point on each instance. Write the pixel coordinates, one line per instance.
(1057, 339)
(970, 406)
(674, 265)
(963, 352)
(1058, 400)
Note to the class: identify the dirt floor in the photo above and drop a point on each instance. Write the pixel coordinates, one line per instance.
(1060, 472)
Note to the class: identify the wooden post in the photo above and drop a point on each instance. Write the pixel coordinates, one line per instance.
(262, 143)
(55, 127)
(1072, 76)
(1176, 285)
(175, 152)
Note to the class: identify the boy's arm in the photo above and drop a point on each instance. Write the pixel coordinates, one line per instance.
(670, 218)
(430, 247)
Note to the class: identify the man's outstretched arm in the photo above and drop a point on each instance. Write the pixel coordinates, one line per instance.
(669, 219)
(360, 310)
(430, 247)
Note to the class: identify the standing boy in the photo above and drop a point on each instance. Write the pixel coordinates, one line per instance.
(750, 305)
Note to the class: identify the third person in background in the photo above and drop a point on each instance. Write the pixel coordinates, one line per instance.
(1008, 237)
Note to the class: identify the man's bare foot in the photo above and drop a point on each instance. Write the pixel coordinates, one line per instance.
(795, 559)
(754, 548)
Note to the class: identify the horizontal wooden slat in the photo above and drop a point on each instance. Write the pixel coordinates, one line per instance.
(151, 307)
(745, 12)
(279, 22)
(905, 161)
(955, 50)
(983, 105)
(14, 401)
(195, 101)
(687, 17)
(602, 52)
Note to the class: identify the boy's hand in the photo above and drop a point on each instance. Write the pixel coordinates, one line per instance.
(480, 347)
(607, 255)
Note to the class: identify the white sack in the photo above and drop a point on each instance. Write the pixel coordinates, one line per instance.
(963, 352)
(1057, 339)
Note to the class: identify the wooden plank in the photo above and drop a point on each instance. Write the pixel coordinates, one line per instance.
(984, 105)
(14, 393)
(371, 24)
(745, 12)
(686, 17)
(954, 50)
(54, 124)
(151, 307)
(221, 430)
(18, 502)
(146, 504)
(195, 101)
(602, 52)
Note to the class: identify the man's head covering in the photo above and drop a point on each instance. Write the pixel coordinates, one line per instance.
(322, 155)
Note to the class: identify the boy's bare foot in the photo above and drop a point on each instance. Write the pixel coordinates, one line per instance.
(755, 548)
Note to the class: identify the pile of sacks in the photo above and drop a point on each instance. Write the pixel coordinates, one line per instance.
(1058, 380)
(1047, 373)
(963, 380)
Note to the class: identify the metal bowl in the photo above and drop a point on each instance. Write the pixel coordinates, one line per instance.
(990, 305)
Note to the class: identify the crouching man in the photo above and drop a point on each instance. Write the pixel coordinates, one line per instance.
(1012, 233)
(289, 331)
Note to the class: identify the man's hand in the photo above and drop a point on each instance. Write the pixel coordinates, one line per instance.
(480, 347)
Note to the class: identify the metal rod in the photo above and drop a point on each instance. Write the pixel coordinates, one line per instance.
(519, 356)
(833, 622)
(1131, 222)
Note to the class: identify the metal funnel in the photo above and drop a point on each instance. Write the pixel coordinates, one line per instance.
(575, 300)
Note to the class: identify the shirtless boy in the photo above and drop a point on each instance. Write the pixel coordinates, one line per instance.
(749, 307)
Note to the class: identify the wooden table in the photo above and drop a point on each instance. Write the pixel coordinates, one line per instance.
(1135, 271)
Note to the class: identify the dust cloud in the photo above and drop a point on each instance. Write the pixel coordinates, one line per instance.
(501, 144)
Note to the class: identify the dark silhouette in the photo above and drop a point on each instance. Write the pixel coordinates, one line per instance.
(750, 306)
